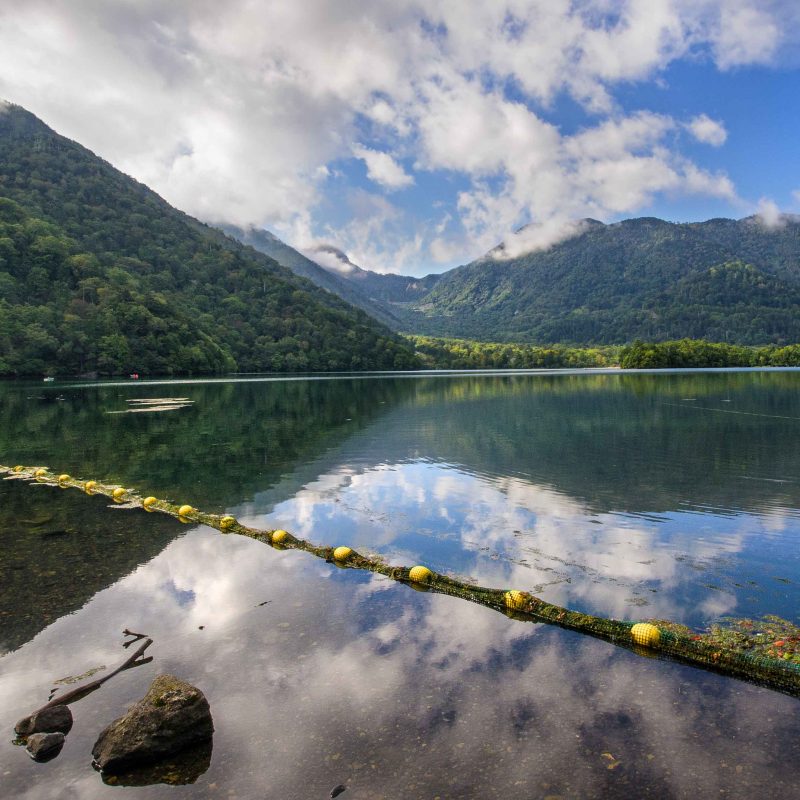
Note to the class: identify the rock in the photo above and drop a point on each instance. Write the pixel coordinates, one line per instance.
(46, 720)
(172, 716)
(176, 770)
(44, 746)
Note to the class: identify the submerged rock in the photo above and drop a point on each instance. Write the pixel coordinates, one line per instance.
(44, 746)
(55, 719)
(172, 716)
(175, 770)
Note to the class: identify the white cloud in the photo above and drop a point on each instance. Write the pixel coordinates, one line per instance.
(614, 167)
(235, 112)
(700, 181)
(330, 257)
(747, 34)
(444, 250)
(769, 214)
(707, 130)
(377, 235)
(538, 237)
(382, 168)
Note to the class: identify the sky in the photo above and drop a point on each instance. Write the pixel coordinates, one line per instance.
(417, 136)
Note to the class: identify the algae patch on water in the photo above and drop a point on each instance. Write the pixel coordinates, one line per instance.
(768, 637)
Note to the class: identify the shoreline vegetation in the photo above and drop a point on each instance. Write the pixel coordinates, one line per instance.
(443, 353)
(691, 353)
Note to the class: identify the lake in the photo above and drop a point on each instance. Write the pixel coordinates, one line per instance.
(628, 495)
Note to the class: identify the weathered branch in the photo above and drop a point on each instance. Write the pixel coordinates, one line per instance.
(79, 692)
(136, 637)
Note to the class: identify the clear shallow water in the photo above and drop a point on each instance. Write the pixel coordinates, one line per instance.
(626, 495)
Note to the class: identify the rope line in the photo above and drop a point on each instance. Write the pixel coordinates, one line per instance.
(643, 638)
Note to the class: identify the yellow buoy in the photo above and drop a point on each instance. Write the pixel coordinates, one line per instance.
(280, 536)
(342, 553)
(516, 599)
(420, 574)
(89, 487)
(185, 511)
(118, 493)
(19, 468)
(148, 502)
(645, 634)
(227, 522)
(40, 473)
(63, 478)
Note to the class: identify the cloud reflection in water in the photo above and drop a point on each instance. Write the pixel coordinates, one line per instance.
(347, 678)
(510, 532)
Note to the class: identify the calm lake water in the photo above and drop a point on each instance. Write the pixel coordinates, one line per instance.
(635, 496)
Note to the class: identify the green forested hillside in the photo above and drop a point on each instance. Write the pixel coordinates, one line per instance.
(99, 274)
(350, 291)
(465, 354)
(694, 353)
(722, 280)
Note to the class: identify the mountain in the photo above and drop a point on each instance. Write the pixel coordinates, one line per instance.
(336, 260)
(386, 289)
(383, 296)
(723, 280)
(269, 244)
(100, 274)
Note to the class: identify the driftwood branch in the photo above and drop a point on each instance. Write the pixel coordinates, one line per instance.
(136, 637)
(133, 660)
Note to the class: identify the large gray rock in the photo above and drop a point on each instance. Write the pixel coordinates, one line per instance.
(46, 720)
(172, 715)
(44, 746)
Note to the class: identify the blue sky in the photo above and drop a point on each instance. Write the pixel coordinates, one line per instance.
(760, 107)
(416, 136)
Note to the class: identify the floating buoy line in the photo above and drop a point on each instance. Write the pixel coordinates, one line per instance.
(644, 638)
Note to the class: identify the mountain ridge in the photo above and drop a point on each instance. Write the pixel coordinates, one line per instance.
(267, 243)
(612, 283)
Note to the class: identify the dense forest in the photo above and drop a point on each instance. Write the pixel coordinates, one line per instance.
(464, 354)
(684, 353)
(698, 353)
(100, 275)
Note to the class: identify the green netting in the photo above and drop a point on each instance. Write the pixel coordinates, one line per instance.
(735, 655)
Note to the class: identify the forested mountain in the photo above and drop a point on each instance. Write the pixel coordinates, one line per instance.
(376, 293)
(99, 274)
(381, 287)
(269, 244)
(722, 280)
